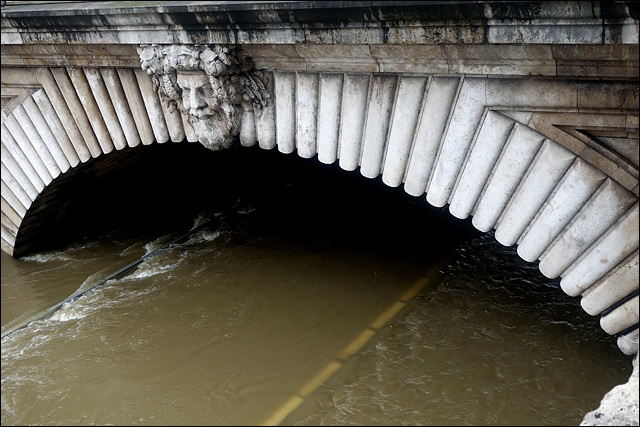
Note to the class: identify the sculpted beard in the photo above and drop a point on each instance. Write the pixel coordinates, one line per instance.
(218, 130)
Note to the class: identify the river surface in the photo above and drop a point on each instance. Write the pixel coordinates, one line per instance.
(304, 295)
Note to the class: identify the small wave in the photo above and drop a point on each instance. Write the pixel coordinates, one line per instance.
(158, 243)
(69, 312)
(47, 256)
(151, 267)
(201, 219)
(245, 211)
(131, 248)
(204, 236)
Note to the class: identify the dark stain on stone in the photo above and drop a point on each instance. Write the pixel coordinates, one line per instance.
(515, 10)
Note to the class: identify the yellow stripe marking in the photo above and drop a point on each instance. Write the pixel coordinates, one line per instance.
(413, 291)
(320, 379)
(356, 344)
(352, 348)
(285, 410)
(388, 314)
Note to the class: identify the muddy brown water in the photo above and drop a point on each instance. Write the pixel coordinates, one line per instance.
(291, 265)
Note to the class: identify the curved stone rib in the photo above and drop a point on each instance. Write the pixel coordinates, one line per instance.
(90, 108)
(56, 127)
(495, 131)
(306, 118)
(285, 100)
(248, 133)
(41, 127)
(468, 110)
(621, 318)
(32, 138)
(13, 200)
(619, 242)
(10, 222)
(355, 94)
(16, 178)
(408, 108)
(99, 108)
(30, 155)
(435, 116)
(381, 102)
(542, 177)
(14, 218)
(151, 101)
(607, 204)
(513, 163)
(121, 106)
(629, 343)
(612, 287)
(73, 100)
(10, 146)
(177, 124)
(9, 181)
(576, 187)
(136, 105)
(54, 94)
(266, 122)
(329, 111)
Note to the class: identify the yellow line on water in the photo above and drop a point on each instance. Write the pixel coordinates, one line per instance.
(320, 379)
(285, 410)
(352, 348)
(356, 344)
(413, 291)
(388, 315)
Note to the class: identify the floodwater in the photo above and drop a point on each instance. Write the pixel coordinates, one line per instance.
(304, 295)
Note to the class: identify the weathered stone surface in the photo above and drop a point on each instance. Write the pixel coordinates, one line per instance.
(619, 407)
(213, 86)
(339, 74)
(612, 287)
(524, 38)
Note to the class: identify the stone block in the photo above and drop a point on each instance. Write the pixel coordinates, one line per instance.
(285, 102)
(468, 111)
(548, 168)
(609, 250)
(408, 105)
(608, 203)
(307, 87)
(354, 104)
(532, 92)
(329, 110)
(493, 134)
(520, 150)
(617, 96)
(612, 287)
(547, 31)
(621, 318)
(578, 185)
(374, 141)
(441, 95)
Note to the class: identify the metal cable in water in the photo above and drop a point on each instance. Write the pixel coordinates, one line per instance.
(49, 311)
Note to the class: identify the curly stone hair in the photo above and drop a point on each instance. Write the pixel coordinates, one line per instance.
(229, 70)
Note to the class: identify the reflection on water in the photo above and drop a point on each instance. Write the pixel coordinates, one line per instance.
(224, 328)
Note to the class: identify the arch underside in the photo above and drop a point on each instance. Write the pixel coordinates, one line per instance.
(550, 165)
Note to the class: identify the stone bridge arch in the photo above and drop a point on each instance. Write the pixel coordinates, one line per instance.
(522, 115)
(532, 159)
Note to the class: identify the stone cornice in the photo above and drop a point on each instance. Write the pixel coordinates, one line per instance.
(557, 61)
(295, 22)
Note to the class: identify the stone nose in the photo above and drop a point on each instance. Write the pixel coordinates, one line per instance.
(196, 99)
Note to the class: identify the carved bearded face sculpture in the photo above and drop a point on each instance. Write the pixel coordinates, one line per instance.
(212, 85)
(215, 122)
